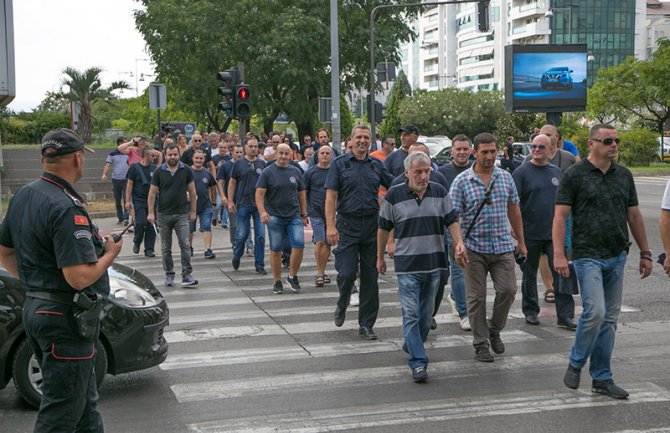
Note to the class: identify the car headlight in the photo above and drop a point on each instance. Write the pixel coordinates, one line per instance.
(129, 295)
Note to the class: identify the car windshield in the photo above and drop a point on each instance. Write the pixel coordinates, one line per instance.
(558, 70)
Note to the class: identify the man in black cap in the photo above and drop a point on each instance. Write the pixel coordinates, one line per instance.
(49, 241)
(394, 163)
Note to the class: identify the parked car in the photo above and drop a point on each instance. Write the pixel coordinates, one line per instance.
(435, 143)
(443, 156)
(131, 332)
(665, 155)
(560, 77)
(521, 151)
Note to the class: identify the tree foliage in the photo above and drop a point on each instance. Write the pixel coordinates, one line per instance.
(517, 125)
(285, 48)
(401, 90)
(636, 89)
(452, 111)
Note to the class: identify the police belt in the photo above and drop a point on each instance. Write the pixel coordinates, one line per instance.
(60, 297)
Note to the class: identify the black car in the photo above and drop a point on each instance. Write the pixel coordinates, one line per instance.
(131, 331)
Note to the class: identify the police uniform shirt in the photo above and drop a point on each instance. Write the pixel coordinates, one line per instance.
(172, 189)
(49, 228)
(357, 184)
(246, 173)
(282, 185)
(203, 182)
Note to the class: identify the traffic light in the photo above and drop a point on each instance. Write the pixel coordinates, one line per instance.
(483, 24)
(242, 101)
(379, 108)
(230, 79)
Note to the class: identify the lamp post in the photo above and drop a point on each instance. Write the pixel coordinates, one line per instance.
(137, 90)
(568, 10)
(129, 73)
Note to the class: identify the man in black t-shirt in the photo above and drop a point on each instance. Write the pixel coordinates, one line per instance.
(173, 183)
(205, 187)
(315, 188)
(137, 192)
(197, 144)
(282, 205)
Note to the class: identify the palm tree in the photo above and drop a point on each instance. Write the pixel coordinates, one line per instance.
(85, 89)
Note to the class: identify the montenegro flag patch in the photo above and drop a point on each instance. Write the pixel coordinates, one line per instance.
(80, 220)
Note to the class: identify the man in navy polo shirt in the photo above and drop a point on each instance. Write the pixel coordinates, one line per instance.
(171, 182)
(394, 163)
(205, 187)
(282, 205)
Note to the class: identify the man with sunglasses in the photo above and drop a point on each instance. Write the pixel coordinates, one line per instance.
(197, 144)
(600, 196)
(536, 183)
(486, 199)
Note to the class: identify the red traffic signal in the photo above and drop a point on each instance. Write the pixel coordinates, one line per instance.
(242, 101)
(243, 93)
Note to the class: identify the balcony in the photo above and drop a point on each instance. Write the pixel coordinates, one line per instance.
(537, 8)
(539, 28)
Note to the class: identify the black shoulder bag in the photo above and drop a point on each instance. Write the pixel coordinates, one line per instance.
(487, 200)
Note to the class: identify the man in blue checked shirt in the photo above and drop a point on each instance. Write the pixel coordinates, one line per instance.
(486, 198)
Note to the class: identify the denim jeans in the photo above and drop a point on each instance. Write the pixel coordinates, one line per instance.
(286, 233)
(178, 223)
(457, 284)
(119, 186)
(244, 214)
(417, 299)
(220, 212)
(601, 286)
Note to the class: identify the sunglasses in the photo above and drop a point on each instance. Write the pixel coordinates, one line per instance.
(538, 146)
(608, 141)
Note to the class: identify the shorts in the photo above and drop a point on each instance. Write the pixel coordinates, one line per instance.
(318, 230)
(205, 218)
(281, 229)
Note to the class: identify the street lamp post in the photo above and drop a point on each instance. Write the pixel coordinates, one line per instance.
(568, 10)
(137, 90)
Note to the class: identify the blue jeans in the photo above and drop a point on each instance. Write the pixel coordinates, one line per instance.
(220, 213)
(457, 284)
(243, 228)
(417, 298)
(601, 286)
(286, 232)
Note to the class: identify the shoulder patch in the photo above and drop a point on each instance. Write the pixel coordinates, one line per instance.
(80, 220)
(83, 234)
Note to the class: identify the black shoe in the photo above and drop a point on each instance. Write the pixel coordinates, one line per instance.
(571, 378)
(215, 222)
(567, 324)
(149, 253)
(339, 317)
(496, 343)
(136, 248)
(367, 333)
(236, 263)
(607, 387)
(531, 319)
(419, 374)
(209, 254)
(293, 284)
(261, 271)
(482, 354)
(433, 324)
(278, 288)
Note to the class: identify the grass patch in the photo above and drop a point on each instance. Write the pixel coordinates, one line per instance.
(93, 207)
(653, 168)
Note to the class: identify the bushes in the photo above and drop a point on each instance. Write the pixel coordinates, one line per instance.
(29, 128)
(638, 147)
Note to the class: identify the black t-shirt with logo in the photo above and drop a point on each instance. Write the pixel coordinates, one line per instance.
(246, 174)
(282, 185)
(537, 187)
(203, 182)
(141, 176)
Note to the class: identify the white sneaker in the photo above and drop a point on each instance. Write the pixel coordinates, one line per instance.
(465, 324)
(451, 301)
(354, 300)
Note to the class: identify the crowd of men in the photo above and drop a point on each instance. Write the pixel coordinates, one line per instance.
(468, 219)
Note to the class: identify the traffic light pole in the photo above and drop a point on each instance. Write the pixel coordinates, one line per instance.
(244, 127)
(372, 43)
(335, 76)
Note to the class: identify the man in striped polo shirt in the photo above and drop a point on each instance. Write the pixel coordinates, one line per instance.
(418, 210)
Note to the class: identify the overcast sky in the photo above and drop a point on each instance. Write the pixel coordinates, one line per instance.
(52, 35)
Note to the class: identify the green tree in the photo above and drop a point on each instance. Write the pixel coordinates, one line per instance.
(85, 88)
(634, 88)
(401, 90)
(285, 48)
(517, 125)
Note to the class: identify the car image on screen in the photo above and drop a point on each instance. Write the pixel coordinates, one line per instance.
(560, 77)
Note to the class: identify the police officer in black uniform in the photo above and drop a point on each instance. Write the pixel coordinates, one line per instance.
(49, 241)
(352, 186)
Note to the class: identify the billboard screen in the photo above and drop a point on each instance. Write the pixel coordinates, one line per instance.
(545, 78)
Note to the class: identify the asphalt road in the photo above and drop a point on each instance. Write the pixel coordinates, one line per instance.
(243, 359)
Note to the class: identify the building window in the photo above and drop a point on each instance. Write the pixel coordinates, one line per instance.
(466, 78)
(476, 40)
(474, 59)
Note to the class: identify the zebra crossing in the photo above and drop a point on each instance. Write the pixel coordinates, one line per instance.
(244, 360)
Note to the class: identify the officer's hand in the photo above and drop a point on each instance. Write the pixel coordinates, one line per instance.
(191, 215)
(645, 268)
(381, 266)
(231, 207)
(111, 247)
(461, 255)
(332, 235)
(265, 217)
(561, 265)
(151, 218)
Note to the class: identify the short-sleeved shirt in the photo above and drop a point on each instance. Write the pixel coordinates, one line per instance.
(434, 177)
(599, 207)
(451, 170)
(187, 156)
(357, 183)
(395, 162)
(219, 159)
(282, 185)
(203, 182)
(315, 185)
(314, 159)
(246, 174)
(665, 204)
(561, 159)
(537, 186)
(223, 173)
(119, 163)
(172, 189)
(490, 233)
(49, 228)
(134, 155)
(569, 146)
(141, 176)
(419, 226)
